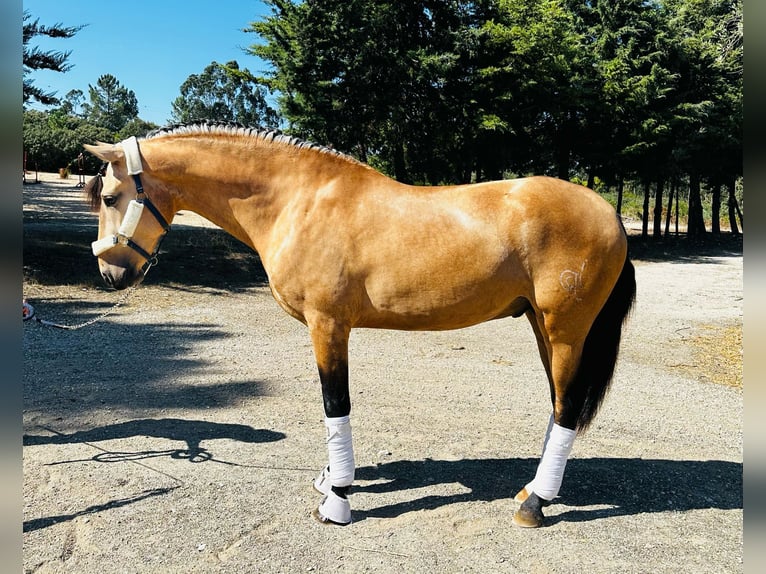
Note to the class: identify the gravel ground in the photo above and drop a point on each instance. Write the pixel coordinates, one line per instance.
(182, 432)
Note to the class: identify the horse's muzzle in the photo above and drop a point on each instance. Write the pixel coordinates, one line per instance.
(121, 278)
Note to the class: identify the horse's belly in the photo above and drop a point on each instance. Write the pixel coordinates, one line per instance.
(443, 305)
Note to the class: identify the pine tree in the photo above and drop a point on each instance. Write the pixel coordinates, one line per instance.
(111, 105)
(36, 59)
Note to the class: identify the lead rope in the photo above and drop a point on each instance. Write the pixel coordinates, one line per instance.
(28, 312)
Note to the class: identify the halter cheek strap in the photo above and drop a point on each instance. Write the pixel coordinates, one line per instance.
(133, 214)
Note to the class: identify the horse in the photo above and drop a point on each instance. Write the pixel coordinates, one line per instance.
(346, 247)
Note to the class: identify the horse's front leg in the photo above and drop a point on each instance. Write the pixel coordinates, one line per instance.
(330, 340)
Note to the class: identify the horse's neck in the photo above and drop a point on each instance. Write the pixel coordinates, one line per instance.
(243, 191)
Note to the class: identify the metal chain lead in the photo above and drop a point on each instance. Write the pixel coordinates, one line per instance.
(106, 313)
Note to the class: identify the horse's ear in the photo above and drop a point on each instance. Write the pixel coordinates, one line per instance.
(106, 151)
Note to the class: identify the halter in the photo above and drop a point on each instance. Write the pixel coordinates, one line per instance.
(133, 214)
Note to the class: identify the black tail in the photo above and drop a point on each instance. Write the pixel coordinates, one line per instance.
(601, 348)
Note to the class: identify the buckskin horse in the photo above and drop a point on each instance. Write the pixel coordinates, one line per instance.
(344, 246)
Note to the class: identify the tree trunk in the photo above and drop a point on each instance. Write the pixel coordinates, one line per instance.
(657, 231)
(733, 207)
(564, 150)
(677, 198)
(400, 168)
(467, 160)
(716, 209)
(696, 225)
(620, 188)
(671, 194)
(645, 214)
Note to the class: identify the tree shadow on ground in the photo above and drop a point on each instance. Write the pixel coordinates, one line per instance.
(683, 249)
(624, 487)
(190, 257)
(46, 521)
(116, 365)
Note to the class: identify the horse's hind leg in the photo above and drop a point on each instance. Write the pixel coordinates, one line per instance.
(330, 340)
(543, 346)
(560, 363)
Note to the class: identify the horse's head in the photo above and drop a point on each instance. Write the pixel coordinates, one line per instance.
(130, 225)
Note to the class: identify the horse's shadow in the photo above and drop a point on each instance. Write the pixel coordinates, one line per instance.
(191, 432)
(614, 486)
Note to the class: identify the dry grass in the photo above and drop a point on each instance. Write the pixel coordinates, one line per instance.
(717, 355)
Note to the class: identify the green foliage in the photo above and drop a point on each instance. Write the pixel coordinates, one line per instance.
(54, 140)
(383, 80)
(224, 92)
(135, 127)
(601, 92)
(111, 105)
(452, 91)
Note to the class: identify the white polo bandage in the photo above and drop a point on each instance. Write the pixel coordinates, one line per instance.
(550, 471)
(341, 451)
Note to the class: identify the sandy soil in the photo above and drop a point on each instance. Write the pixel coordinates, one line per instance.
(182, 432)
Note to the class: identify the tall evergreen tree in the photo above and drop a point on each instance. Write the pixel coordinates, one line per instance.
(538, 83)
(36, 59)
(707, 106)
(648, 91)
(377, 79)
(111, 105)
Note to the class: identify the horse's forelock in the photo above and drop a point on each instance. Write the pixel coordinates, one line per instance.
(93, 192)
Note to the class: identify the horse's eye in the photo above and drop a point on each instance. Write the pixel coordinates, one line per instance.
(109, 200)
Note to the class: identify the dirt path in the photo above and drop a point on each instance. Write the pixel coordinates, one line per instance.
(181, 434)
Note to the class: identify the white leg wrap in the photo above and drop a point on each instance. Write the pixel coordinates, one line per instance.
(341, 451)
(550, 471)
(530, 487)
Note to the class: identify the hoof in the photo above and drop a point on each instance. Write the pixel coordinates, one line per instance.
(521, 495)
(530, 514)
(333, 510)
(526, 518)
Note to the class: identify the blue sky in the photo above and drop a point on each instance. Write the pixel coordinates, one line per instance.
(150, 46)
